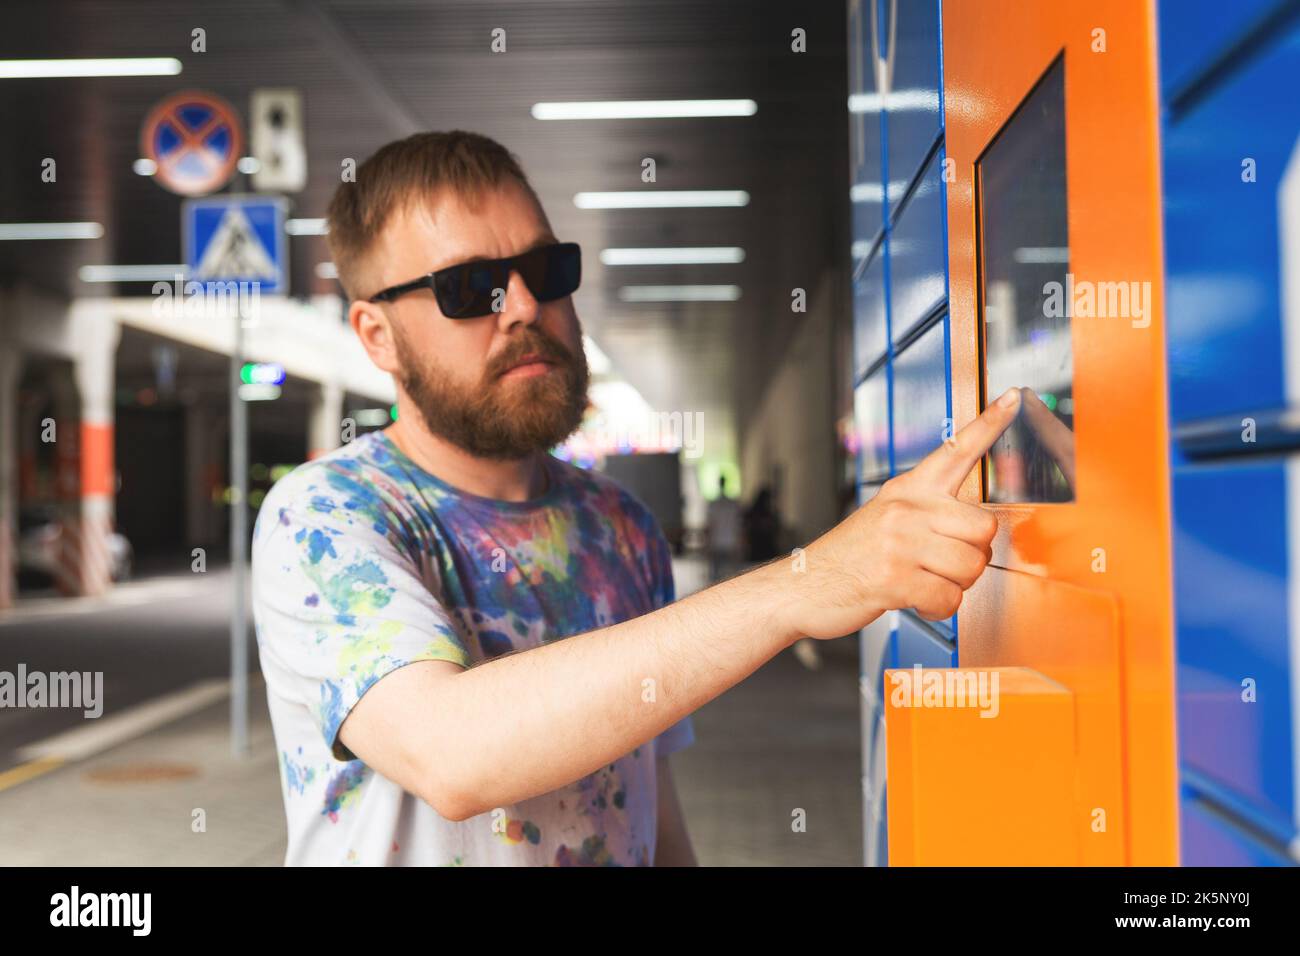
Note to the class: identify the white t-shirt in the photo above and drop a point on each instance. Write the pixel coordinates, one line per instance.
(363, 563)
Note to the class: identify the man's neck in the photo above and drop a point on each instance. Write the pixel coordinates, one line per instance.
(517, 480)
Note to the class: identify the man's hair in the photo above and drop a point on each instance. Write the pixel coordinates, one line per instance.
(407, 171)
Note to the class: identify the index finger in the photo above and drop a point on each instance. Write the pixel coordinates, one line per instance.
(945, 468)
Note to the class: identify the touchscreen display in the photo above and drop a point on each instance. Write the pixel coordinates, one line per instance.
(1025, 297)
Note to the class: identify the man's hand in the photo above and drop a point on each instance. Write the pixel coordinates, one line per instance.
(913, 545)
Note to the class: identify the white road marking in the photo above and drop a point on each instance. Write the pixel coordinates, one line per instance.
(105, 732)
(129, 594)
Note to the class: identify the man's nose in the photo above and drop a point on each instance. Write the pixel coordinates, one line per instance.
(520, 306)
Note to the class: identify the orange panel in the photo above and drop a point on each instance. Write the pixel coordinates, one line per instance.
(981, 785)
(1073, 637)
(1114, 537)
(97, 476)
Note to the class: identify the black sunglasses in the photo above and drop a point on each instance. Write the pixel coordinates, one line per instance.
(468, 290)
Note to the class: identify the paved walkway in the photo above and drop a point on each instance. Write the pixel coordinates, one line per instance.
(136, 803)
(785, 741)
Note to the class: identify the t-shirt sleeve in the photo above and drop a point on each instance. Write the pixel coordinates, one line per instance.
(663, 589)
(338, 603)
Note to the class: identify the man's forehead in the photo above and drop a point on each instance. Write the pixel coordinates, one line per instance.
(451, 227)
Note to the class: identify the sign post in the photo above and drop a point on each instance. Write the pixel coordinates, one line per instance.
(238, 546)
(235, 246)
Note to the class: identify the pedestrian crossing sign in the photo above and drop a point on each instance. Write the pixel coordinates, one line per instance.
(236, 239)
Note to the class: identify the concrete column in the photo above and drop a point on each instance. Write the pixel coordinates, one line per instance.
(63, 428)
(326, 420)
(93, 370)
(10, 372)
(201, 465)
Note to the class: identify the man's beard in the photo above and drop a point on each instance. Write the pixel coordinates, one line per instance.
(503, 420)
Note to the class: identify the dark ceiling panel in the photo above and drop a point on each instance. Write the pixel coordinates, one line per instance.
(367, 67)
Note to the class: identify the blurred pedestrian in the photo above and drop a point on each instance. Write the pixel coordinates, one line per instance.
(725, 544)
(762, 527)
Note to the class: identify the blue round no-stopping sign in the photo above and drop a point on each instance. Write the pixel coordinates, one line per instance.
(195, 140)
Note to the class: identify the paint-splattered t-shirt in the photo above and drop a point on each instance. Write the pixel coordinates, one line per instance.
(363, 563)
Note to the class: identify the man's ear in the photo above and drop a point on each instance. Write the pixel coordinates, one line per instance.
(374, 328)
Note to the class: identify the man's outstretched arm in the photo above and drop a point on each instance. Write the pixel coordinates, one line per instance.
(467, 741)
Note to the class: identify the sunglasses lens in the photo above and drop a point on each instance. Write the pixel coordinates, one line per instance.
(550, 273)
(465, 291)
(563, 271)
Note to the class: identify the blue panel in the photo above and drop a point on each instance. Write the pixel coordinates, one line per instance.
(1208, 839)
(870, 335)
(912, 118)
(873, 644)
(876, 647)
(867, 492)
(920, 398)
(871, 419)
(864, 130)
(917, 644)
(917, 276)
(1222, 238)
(1230, 589)
(1193, 33)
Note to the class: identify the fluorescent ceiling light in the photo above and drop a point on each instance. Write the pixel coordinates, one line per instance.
(871, 192)
(662, 199)
(679, 293)
(643, 109)
(121, 66)
(306, 227)
(50, 230)
(327, 270)
(259, 393)
(897, 101)
(701, 255)
(129, 273)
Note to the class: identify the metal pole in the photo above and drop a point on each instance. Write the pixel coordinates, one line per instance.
(238, 547)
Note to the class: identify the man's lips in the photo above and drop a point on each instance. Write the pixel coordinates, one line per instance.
(528, 365)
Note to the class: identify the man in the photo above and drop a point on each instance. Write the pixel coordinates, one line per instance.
(471, 651)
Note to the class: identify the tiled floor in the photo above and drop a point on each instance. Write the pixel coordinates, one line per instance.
(784, 741)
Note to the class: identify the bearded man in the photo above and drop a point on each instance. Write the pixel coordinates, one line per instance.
(471, 649)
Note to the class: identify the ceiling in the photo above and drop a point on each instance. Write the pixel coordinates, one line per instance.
(374, 71)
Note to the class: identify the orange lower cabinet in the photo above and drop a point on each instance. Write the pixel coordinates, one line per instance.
(981, 768)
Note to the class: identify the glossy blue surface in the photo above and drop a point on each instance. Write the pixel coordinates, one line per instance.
(1230, 593)
(874, 644)
(917, 644)
(1222, 238)
(918, 254)
(871, 419)
(1225, 358)
(912, 117)
(1210, 840)
(864, 130)
(895, 296)
(1193, 33)
(870, 332)
(920, 397)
